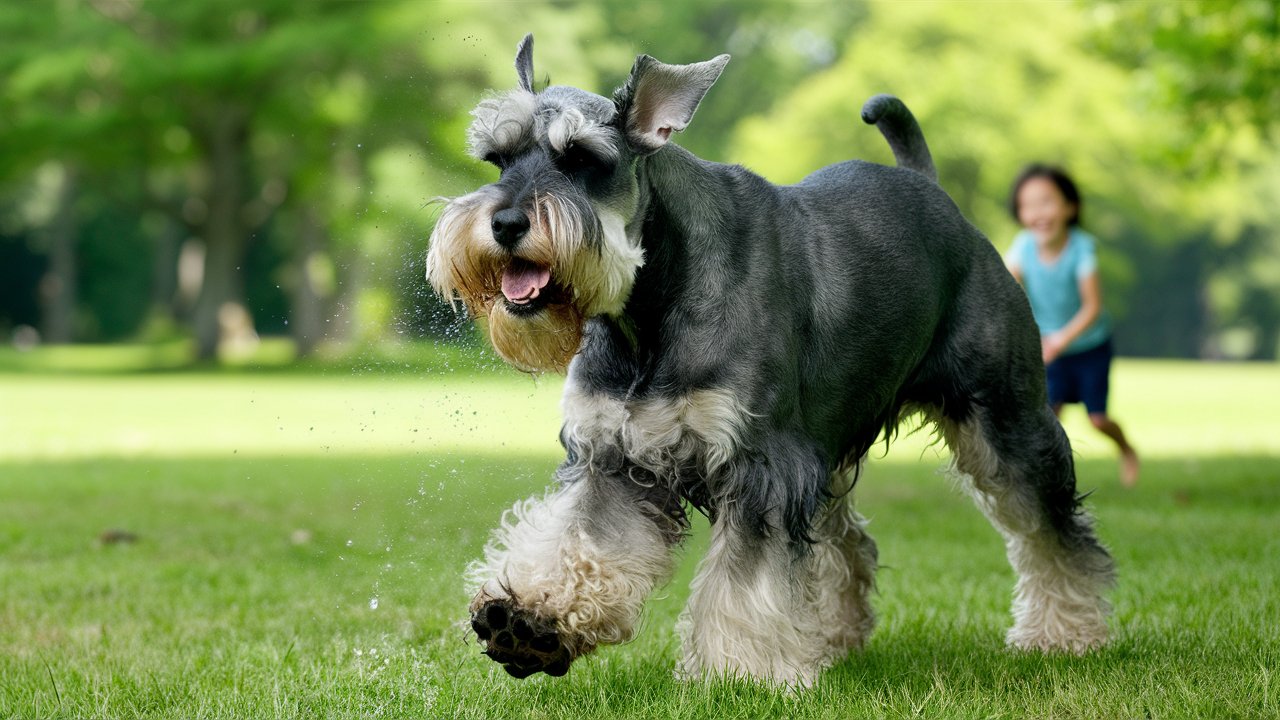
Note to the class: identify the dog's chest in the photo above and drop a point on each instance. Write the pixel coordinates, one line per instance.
(701, 429)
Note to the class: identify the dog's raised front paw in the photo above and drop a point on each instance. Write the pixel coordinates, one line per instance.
(517, 639)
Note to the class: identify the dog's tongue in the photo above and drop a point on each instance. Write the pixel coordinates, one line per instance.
(522, 281)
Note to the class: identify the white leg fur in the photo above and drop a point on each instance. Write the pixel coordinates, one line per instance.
(1058, 601)
(756, 611)
(843, 576)
(746, 617)
(576, 558)
(1055, 606)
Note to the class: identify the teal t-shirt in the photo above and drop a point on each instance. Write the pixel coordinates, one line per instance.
(1054, 288)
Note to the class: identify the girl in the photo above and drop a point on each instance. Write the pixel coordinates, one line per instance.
(1056, 262)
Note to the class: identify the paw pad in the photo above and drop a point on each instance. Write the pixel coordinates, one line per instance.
(521, 642)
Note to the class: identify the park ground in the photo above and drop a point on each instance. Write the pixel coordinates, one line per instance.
(271, 543)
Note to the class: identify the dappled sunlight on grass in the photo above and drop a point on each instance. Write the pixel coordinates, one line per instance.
(261, 572)
(269, 415)
(1170, 409)
(270, 354)
(99, 358)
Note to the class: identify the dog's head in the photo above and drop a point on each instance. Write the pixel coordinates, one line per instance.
(553, 241)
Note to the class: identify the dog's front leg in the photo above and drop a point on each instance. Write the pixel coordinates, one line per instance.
(569, 571)
(771, 606)
(778, 597)
(748, 614)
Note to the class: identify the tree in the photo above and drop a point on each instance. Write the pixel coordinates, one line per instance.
(995, 90)
(222, 114)
(1216, 63)
(221, 72)
(1216, 60)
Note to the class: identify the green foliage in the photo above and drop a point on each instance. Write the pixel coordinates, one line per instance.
(1217, 65)
(996, 90)
(346, 118)
(119, 291)
(773, 47)
(1217, 60)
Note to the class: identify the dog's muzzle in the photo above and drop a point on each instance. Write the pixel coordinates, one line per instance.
(509, 227)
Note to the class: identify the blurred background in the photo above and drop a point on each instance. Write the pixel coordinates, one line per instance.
(215, 179)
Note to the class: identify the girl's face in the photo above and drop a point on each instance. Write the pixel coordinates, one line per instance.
(1043, 210)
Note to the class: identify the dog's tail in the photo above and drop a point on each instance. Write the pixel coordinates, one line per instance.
(900, 128)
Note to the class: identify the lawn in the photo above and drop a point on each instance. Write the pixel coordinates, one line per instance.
(276, 544)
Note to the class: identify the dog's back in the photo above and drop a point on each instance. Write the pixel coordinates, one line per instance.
(903, 255)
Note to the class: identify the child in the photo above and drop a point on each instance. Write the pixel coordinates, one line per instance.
(1055, 261)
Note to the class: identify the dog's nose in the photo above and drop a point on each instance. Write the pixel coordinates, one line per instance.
(509, 226)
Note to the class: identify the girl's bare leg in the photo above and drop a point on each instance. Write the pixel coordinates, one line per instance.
(1129, 464)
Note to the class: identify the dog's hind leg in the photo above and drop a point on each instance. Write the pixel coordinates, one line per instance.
(1017, 466)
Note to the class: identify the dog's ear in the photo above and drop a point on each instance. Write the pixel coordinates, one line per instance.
(659, 99)
(524, 62)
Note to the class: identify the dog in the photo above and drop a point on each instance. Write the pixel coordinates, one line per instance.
(735, 348)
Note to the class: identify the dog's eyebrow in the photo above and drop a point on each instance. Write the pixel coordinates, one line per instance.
(503, 124)
(570, 126)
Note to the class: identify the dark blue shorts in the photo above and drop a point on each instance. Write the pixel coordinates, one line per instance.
(1081, 377)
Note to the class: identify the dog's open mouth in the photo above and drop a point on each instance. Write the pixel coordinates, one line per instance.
(527, 286)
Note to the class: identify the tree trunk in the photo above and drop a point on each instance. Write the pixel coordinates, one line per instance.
(224, 136)
(306, 321)
(164, 275)
(348, 266)
(58, 286)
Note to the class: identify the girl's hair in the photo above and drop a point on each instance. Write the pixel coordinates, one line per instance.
(1058, 177)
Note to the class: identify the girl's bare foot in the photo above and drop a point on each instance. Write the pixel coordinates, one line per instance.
(1129, 466)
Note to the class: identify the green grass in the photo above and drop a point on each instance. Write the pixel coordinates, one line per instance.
(272, 509)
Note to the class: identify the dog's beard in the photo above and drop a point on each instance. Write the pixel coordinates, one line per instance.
(543, 341)
(465, 263)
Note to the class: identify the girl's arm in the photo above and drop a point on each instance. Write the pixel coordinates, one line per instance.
(1015, 270)
(1053, 344)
